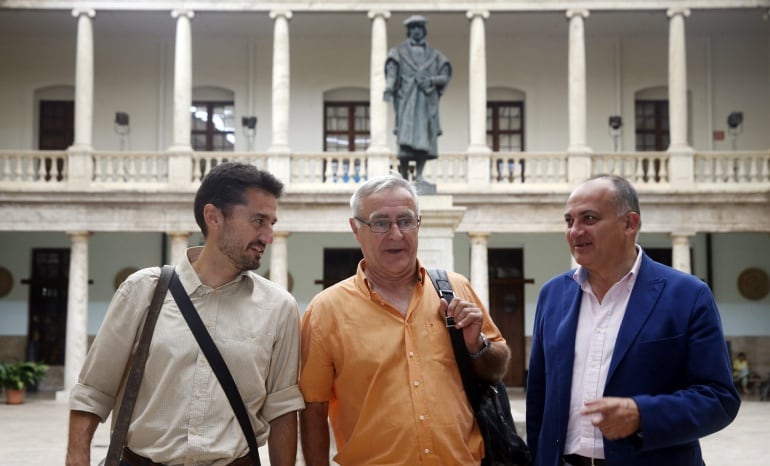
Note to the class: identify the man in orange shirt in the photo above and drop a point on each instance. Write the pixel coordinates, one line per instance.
(376, 357)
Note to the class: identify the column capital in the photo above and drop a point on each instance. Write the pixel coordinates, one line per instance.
(471, 14)
(281, 234)
(281, 13)
(671, 12)
(479, 235)
(80, 233)
(190, 14)
(373, 14)
(578, 12)
(77, 12)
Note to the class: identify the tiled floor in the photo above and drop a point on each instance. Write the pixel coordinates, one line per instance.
(35, 433)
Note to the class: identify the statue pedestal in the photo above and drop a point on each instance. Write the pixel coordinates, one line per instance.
(440, 219)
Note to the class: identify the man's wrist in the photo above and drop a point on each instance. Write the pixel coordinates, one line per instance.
(484, 347)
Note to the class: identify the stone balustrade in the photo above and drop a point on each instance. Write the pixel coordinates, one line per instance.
(452, 172)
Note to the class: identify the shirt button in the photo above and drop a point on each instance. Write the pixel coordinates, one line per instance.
(427, 450)
(422, 418)
(416, 383)
(411, 354)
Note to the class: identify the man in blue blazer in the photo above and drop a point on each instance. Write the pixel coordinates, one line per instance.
(629, 364)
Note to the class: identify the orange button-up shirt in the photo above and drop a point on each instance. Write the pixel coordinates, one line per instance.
(394, 391)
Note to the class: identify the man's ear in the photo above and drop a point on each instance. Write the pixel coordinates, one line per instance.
(633, 221)
(213, 216)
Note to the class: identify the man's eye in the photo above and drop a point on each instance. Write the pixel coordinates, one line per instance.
(404, 222)
(381, 224)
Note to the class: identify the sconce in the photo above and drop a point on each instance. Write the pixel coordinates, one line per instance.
(615, 123)
(735, 127)
(122, 128)
(735, 121)
(249, 124)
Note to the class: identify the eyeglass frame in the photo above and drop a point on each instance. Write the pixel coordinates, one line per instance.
(418, 218)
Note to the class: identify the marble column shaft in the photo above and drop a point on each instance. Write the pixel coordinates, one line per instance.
(84, 80)
(182, 80)
(480, 266)
(279, 259)
(77, 312)
(577, 81)
(281, 77)
(477, 83)
(677, 78)
(378, 108)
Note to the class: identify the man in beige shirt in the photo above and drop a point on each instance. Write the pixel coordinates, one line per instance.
(182, 415)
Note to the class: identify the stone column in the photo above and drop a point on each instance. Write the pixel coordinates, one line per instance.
(84, 80)
(378, 108)
(477, 83)
(79, 154)
(77, 312)
(579, 154)
(677, 78)
(680, 252)
(480, 266)
(577, 82)
(182, 81)
(279, 259)
(279, 163)
(681, 171)
(178, 245)
(281, 75)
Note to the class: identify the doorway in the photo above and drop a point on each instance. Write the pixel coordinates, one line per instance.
(56, 132)
(339, 264)
(506, 306)
(48, 286)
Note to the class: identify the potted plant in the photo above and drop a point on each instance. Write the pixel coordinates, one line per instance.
(15, 377)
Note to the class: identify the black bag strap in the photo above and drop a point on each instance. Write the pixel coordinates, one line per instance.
(218, 364)
(136, 372)
(443, 287)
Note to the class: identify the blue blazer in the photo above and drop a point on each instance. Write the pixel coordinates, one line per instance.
(670, 356)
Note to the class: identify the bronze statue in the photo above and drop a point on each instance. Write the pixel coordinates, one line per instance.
(416, 75)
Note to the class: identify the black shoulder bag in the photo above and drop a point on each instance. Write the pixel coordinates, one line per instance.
(218, 364)
(489, 400)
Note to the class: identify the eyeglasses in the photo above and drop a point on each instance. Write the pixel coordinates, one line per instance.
(383, 225)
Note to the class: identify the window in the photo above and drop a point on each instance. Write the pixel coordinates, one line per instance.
(346, 126)
(505, 126)
(652, 125)
(213, 126)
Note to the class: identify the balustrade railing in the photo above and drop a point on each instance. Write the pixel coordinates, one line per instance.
(108, 170)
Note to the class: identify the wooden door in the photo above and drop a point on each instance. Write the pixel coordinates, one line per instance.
(506, 306)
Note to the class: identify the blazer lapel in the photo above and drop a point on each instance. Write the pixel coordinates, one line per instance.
(565, 335)
(645, 294)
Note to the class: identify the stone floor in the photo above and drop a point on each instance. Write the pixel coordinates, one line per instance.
(35, 433)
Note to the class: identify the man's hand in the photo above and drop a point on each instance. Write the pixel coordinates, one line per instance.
(468, 318)
(616, 417)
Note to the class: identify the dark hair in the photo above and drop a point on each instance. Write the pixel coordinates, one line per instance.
(225, 185)
(626, 199)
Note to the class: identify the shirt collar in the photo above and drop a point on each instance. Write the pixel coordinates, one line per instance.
(581, 273)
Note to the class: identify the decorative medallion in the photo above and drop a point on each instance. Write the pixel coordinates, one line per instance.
(6, 281)
(753, 283)
(122, 274)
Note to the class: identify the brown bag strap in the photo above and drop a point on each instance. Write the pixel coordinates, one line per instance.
(119, 433)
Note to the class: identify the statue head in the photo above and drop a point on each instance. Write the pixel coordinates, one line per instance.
(415, 27)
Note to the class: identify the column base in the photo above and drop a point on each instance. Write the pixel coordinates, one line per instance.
(62, 396)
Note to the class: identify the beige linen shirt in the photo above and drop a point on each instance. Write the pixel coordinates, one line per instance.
(182, 416)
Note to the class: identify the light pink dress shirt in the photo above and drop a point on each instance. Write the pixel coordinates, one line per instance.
(597, 330)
